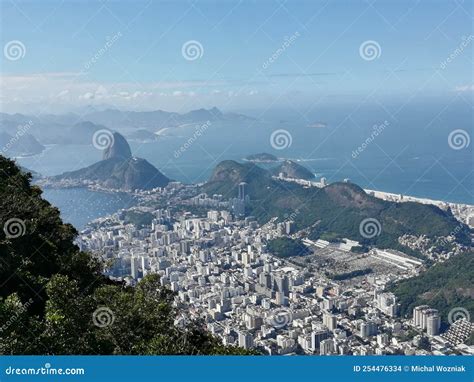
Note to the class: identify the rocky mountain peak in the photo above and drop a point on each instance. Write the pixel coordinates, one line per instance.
(118, 149)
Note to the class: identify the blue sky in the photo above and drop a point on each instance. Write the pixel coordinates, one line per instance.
(129, 54)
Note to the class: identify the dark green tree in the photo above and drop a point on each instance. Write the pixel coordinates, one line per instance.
(54, 298)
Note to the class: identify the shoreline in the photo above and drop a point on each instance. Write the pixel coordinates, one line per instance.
(384, 195)
(410, 198)
(462, 211)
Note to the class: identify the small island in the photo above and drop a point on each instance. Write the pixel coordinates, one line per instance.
(261, 158)
(317, 125)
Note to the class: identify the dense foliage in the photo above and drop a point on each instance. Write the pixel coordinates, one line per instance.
(287, 247)
(262, 157)
(138, 218)
(291, 169)
(444, 287)
(335, 211)
(55, 300)
(118, 173)
(352, 274)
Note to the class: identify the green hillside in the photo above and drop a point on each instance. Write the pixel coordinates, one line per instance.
(337, 210)
(444, 287)
(287, 247)
(291, 169)
(55, 300)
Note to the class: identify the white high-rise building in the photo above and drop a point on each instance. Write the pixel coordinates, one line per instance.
(387, 303)
(318, 336)
(329, 320)
(213, 216)
(245, 340)
(418, 315)
(326, 347)
(368, 329)
(433, 323)
(383, 339)
(134, 267)
(427, 319)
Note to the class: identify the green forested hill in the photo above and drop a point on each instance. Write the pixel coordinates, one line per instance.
(287, 247)
(118, 170)
(55, 300)
(336, 210)
(291, 169)
(444, 287)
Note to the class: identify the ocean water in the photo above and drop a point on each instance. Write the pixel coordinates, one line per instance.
(412, 152)
(79, 206)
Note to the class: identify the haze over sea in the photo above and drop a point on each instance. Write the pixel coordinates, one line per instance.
(410, 155)
(319, 75)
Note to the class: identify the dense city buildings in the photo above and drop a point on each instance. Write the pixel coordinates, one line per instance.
(216, 259)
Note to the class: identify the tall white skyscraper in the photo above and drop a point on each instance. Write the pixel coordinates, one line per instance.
(326, 347)
(427, 319)
(318, 336)
(329, 320)
(433, 323)
(245, 340)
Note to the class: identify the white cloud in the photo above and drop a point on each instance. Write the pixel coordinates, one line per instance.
(465, 88)
(87, 96)
(63, 93)
(60, 92)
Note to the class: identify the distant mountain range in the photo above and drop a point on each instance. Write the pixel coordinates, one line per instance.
(117, 170)
(335, 211)
(78, 129)
(153, 120)
(19, 144)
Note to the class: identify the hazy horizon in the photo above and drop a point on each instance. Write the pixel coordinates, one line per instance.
(180, 56)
